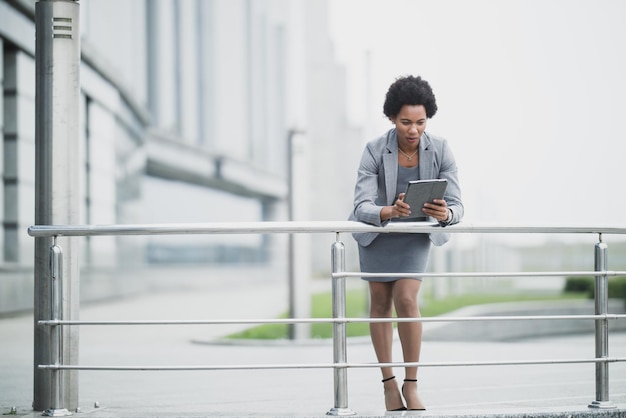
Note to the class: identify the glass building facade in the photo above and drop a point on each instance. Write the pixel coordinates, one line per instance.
(186, 111)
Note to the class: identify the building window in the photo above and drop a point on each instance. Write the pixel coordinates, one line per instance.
(18, 167)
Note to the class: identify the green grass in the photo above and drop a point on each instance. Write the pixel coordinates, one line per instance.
(356, 307)
(321, 306)
(452, 303)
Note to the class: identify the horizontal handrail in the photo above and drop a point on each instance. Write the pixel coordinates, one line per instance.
(334, 365)
(488, 274)
(328, 320)
(307, 227)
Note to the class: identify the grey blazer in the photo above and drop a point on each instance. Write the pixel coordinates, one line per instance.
(378, 174)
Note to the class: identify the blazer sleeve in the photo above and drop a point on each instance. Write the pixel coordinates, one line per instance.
(449, 171)
(367, 200)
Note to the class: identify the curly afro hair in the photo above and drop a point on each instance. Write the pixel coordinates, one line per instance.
(409, 90)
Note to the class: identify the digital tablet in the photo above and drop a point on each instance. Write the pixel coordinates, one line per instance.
(419, 192)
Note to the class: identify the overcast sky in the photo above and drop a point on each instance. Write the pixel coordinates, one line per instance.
(531, 96)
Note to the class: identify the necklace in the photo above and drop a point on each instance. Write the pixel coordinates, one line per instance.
(408, 157)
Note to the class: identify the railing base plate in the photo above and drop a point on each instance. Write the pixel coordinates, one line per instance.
(56, 413)
(341, 412)
(602, 405)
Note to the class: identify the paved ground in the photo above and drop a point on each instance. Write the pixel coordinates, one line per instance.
(501, 391)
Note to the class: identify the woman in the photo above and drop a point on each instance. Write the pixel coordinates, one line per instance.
(406, 152)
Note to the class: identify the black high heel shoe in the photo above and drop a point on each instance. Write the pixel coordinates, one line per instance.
(403, 408)
(403, 395)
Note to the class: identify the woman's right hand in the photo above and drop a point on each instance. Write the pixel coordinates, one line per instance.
(397, 210)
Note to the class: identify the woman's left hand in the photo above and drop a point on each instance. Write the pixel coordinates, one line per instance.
(438, 210)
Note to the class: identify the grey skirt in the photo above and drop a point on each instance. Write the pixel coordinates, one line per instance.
(395, 253)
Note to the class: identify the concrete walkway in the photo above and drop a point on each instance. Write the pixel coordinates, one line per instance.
(469, 391)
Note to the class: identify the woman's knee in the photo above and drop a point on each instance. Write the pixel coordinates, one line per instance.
(406, 306)
(381, 299)
(381, 307)
(405, 297)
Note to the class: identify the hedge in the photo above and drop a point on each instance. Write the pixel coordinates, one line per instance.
(617, 286)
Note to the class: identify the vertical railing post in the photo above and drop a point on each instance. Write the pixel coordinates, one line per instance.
(57, 174)
(56, 333)
(338, 261)
(602, 328)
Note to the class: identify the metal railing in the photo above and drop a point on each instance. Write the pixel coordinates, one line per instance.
(340, 365)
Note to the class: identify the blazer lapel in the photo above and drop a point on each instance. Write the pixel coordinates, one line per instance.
(390, 164)
(427, 166)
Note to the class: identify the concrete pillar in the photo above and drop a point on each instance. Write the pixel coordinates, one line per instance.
(57, 57)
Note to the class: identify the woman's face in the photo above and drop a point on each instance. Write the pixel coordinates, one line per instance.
(410, 123)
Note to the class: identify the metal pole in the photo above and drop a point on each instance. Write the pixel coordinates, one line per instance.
(291, 328)
(602, 328)
(56, 334)
(57, 95)
(338, 260)
(298, 269)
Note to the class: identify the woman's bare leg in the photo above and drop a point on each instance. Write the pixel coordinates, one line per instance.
(381, 306)
(405, 298)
